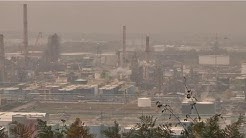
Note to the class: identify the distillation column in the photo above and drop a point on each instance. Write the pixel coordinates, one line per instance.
(124, 47)
(2, 59)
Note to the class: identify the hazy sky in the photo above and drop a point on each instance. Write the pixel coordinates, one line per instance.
(139, 17)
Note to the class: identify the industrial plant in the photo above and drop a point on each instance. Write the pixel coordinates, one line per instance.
(47, 75)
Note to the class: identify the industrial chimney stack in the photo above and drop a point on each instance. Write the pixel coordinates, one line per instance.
(147, 49)
(2, 59)
(124, 47)
(25, 32)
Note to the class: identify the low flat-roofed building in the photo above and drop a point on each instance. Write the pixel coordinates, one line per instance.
(203, 108)
(7, 117)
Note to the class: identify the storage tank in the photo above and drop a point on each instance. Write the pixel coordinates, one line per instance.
(144, 102)
(96, 91)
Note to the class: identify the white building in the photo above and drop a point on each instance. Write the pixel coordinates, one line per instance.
(214, 60)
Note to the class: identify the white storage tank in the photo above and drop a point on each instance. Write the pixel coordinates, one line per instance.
(144, 102)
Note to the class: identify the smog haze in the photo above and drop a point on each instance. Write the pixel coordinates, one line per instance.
(140, 17)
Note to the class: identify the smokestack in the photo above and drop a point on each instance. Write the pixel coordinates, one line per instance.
(2, 59)
(118, 58)
(124, 46)
(25, 32)
(147, 49)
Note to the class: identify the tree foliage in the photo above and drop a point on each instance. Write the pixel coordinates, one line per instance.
(19, 130)
(147, 128)
(211, 128)
(3, 133)
(112, 132)
(44, 131)
(78, 130)
(232, 131)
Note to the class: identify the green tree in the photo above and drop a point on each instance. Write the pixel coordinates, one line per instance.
(112, 132)
(44, 131)
(147, 129)
(78, 130)
(232, 131)
(211, 128)
(3, 133)
(205, 129)
(19, 130)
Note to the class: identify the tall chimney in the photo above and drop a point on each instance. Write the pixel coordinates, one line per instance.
(2, 59)
(147, 49)
(124, 46)
(25, 32)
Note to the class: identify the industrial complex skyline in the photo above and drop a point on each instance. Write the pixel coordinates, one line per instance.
(178, 65)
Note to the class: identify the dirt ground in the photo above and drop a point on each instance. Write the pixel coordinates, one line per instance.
(91, 112)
